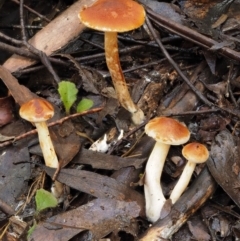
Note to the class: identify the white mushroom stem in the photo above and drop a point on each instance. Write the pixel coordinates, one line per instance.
(183, 181)
(152, 186)
(49, 156)
(113, 63)
(45, 141)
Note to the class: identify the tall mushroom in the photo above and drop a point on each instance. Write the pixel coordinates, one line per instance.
(195, 153)
(166, 132)
(112, 17)
(38, 111)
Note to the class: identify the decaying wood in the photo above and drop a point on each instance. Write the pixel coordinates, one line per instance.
(53, 37)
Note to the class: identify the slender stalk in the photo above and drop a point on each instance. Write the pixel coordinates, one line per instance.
(183, 181)
(45, 141)
(152, 186)
(114, 66)
(49, 156)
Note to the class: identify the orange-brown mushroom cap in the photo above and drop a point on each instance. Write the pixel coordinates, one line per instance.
(113, 15)
(36, 110)
(167, 130)
(195, 152)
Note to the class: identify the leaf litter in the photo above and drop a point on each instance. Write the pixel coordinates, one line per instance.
(104, 200)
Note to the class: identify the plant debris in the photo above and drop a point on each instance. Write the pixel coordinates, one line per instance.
(183, 63)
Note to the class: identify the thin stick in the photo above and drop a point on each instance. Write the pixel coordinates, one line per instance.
(58, 122)
(33, 11)
(172, 62)
(43, 57)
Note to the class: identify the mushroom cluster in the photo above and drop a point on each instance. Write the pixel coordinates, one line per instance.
(166, 132)
(113, 17)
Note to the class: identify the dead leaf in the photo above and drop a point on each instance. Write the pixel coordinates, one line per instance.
(13, 178)
(20, 93)
(225, 156)
(65, 138)
(198, 232)
(97, 185)
(100, 217)
(5, 138)
(104, 161)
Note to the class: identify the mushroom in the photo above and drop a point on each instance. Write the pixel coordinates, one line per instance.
(112, 17)
(38, 111)
(194, 153)
(166, 132)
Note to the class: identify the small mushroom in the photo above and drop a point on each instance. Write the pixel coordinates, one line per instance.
(113, 17)
(195, 153)
(38, 111)
(166, 132)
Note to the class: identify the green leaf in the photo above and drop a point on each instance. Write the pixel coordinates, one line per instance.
(45, 199)
(30, 231)
(84, 104)
(68, 93)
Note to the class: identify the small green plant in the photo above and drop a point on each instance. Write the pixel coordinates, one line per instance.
(84, 104)
(45, 199)
(30, 231)
(68, 94)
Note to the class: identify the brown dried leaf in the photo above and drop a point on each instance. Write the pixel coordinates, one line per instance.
(100, 217)
(20, 93)
(225, 157)
(97, 185)
(65, 138)
(198, 232)
(104, 161)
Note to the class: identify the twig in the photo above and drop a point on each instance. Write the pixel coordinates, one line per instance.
(43, 57)
(191, 35)
(6, 208)
(58, 122)
(33, 11)
(9, 39)
(197, 112)
(171, 61)
(126, 136)
(17, 50)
